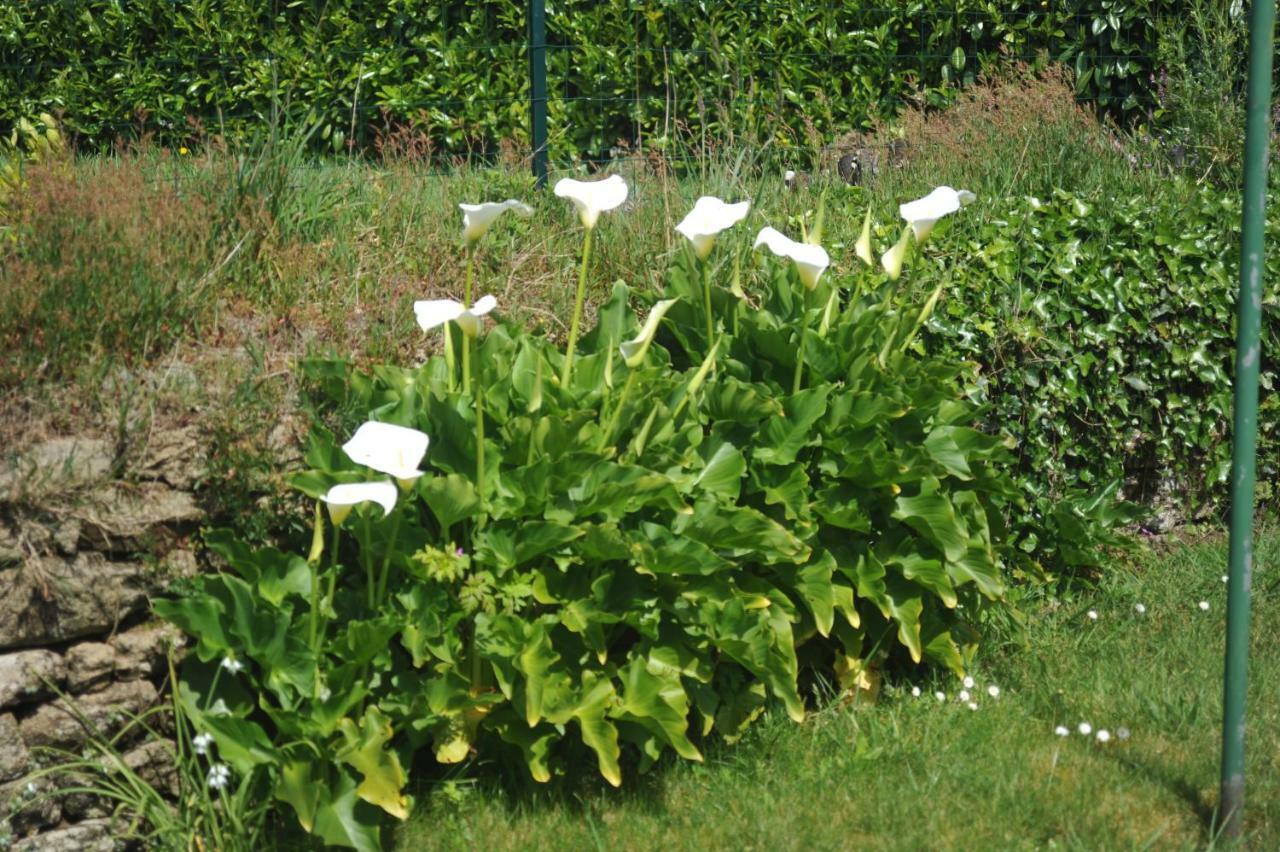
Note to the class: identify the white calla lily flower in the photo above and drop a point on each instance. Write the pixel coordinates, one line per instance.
(341, 499)
(923, 213)
(390, 449)
(435, 312)
(633, 351)
(863, 247)
(893, 259)
(707, 219)
(593, 197)
(810, 261)
(476, 218)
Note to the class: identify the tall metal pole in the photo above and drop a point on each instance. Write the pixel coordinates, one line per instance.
(1244, 433)
(538, 88)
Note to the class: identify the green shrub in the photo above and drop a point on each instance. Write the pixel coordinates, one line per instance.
(1104, 327)
(611, 560)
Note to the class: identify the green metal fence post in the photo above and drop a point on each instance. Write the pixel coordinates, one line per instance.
(538, 88)
(1244, 433)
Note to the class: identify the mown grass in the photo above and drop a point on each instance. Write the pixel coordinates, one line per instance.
(913, 773)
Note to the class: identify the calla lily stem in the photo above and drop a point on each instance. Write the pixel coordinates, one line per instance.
(577, 309)
(479, 398)
(606, 438)
(313, 560)
(804, 334)
(706, 299)
(450, 359)
(366, 553)
(386, 558)
(466, 303)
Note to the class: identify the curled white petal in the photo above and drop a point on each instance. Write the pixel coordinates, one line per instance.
(342, 498)
(810, 260)
(593, 197)
(476, 218)
(893, 259)
(633, 350)
(436, 312)
(924, 213)
(707, 219)
(388, 448)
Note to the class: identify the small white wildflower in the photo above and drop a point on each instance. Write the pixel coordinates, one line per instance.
(1140, 608)
(232, 665)
(202, 742)
(915, 692)
(31, 788)
(1122, 733)
(219, 776)
(1204, 606)
(993, 691)
(1092, 615)
(964, 695)
(1104, 735)
(1062, 731)
(1225, 578)
(968, 682)
(1085, 729)
(972, 705)
(941, 696)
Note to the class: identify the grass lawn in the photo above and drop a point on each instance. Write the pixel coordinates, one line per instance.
(913, 773)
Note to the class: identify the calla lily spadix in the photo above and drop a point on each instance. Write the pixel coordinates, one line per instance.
(810, 261)
(633, 351)
(593, 197)
(434, 312)
(342, 498)
(924, 213)
(708, 218)
(476, 218)
(390, 449)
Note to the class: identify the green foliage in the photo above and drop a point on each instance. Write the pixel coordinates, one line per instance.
(644, 557)
(1105, 330)
(617, 70)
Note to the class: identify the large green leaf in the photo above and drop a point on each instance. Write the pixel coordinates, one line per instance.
(932, 514)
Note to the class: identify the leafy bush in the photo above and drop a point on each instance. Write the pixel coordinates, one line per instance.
(1105, 330)
(619, 553)
(617, 70)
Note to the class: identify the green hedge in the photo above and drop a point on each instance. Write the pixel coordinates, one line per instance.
(616, 68)
(1105, 331)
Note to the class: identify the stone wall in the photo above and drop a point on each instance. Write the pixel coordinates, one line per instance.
(82, 550)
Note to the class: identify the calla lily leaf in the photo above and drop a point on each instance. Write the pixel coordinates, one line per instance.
(707, 219)
(592, 198)
(476, 218)
(810, 260)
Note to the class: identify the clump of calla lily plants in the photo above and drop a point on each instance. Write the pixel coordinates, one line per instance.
(553, 557)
